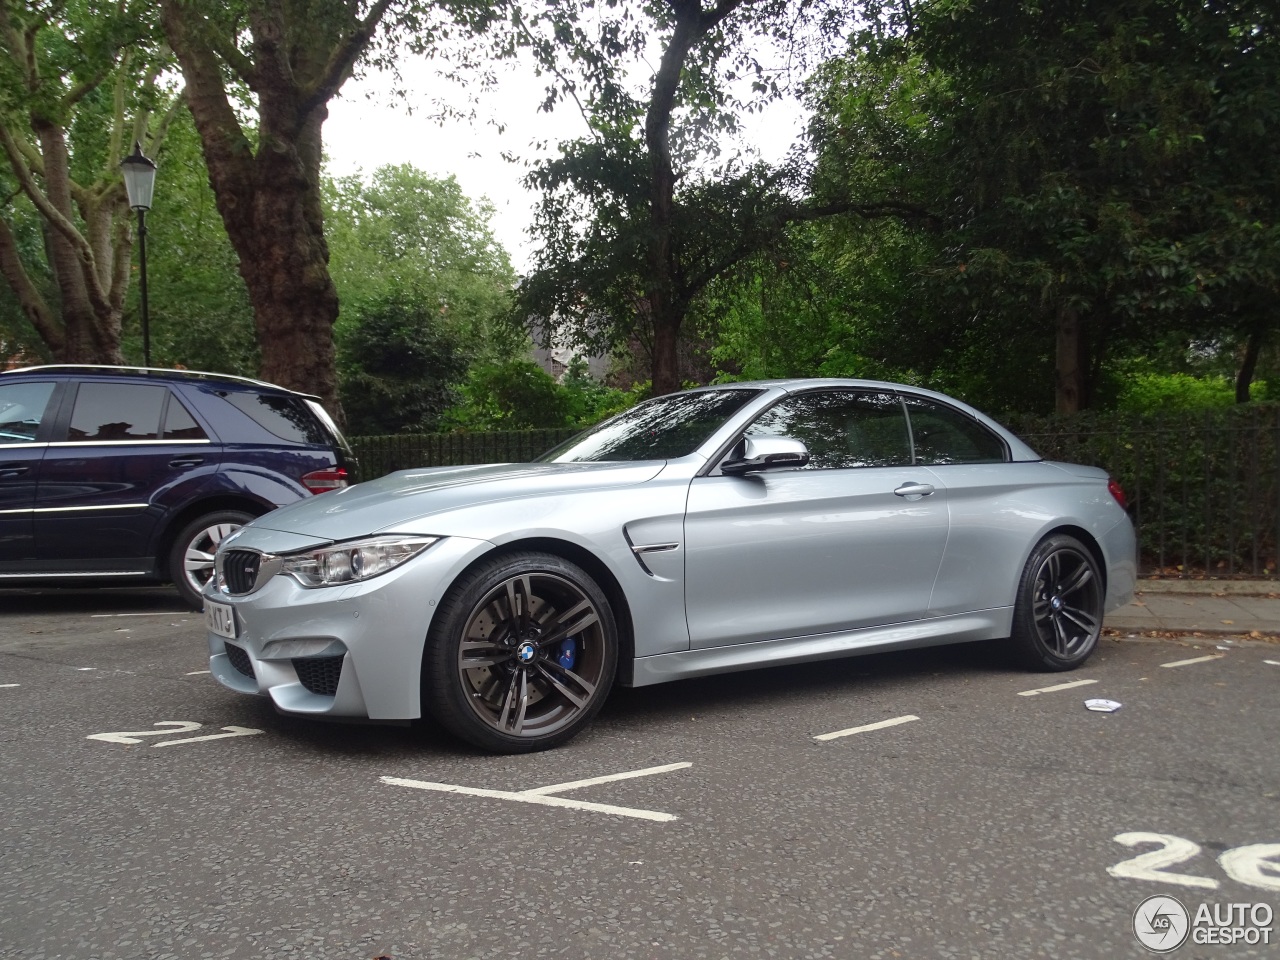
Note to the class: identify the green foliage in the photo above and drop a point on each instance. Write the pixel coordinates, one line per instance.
(405, 230)
(201, 318)
(1164, 392)
(401, 365)
(518, 394)
(1088, 163)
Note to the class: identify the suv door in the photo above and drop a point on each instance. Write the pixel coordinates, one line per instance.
(24, 423)
(126, 455)
(854, 539)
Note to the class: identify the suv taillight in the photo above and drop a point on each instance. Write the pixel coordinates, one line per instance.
(322, 481)
(1118, 492)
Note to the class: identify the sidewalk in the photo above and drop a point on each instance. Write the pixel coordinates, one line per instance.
(1230, 607)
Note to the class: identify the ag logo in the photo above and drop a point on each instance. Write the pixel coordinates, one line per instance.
(1161, 924)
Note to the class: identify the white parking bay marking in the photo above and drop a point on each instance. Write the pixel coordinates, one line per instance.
(610, 778)
(7, 685)
(232, 732)
(1056, 687)
(541, 795)
(1186, 663)
(196, 672)
(866, 727)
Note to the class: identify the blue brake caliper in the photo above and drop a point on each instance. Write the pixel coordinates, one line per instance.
(568, 653)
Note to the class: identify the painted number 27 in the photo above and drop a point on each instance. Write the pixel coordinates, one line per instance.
(1257, 865)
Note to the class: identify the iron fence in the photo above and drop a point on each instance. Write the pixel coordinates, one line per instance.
(1204, 488)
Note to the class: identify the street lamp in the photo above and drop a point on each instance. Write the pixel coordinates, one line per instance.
(139, 183)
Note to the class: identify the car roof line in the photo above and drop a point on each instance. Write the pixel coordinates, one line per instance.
(191, 374)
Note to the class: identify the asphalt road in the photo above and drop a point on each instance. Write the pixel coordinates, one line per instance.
(983, 827)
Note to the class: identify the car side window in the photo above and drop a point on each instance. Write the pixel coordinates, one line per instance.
(841, 428)
(284, 417)
(22, 410)
(179, 424)
(944, 435)
(116, 411)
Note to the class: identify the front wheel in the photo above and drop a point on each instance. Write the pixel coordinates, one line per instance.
(521, 654)
(191, 558)
(1057, 618)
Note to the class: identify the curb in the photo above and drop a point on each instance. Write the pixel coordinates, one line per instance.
(1208, 588)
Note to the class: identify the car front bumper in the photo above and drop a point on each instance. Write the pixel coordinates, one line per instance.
(346, 651)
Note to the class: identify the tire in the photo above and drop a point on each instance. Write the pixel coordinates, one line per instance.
(1057, 618)
(191, 556)
(521, 654)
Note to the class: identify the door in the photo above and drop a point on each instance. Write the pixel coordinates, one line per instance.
(130, 454)
(23, 415)
(853, 539)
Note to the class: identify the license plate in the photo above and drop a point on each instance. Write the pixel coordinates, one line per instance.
(220, 619)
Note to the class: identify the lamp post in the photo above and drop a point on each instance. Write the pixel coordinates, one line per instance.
(139, 183)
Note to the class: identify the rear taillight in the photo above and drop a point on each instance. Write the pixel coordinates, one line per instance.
(322, 481)
(1118, 492)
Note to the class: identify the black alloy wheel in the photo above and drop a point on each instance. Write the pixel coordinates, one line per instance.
(1058, 615)
(521, 654)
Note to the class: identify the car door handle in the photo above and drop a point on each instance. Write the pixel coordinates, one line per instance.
(186, 462)
(11, 470)
(914, 491)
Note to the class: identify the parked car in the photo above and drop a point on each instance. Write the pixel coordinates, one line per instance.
(126, 474)
(719, 529)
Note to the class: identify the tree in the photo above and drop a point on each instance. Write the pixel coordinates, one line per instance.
(402, 365)
(406, 233)
(639, 219)
(78, 86)
(1093, 167)
(289, 58)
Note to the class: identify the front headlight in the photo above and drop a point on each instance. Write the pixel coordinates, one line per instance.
(352, 561)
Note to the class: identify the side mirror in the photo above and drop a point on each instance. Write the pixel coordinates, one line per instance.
(765, 453)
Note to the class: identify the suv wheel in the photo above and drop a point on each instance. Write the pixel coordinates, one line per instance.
(191, 557)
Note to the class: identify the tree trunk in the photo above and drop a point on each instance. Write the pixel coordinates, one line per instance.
(1249, 365)
(1069, 387)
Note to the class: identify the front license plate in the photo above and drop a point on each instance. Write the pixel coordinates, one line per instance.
(220, 619)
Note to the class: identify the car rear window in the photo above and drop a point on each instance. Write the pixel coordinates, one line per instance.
(285, 417)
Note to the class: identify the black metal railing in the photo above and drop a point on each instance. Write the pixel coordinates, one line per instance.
(1204, 487)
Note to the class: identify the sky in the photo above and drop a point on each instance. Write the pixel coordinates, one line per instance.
(368, 128)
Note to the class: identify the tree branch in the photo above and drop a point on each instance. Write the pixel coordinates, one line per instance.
(29, 299)
(343, 58)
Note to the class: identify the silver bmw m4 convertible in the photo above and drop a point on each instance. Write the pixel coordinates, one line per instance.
(725, 528)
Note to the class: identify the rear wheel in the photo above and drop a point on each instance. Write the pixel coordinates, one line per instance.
(521, 654)
(191, 557)
(1057, 618)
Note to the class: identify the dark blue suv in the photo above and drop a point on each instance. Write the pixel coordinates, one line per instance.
(133, 475)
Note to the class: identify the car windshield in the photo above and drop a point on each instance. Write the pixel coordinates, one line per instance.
(659, 429)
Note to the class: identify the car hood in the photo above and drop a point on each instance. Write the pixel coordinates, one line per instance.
(399, 498)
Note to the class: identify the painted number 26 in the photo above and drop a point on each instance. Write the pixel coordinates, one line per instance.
(1257, 865)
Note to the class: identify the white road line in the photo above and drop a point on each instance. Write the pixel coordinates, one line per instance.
(577, 784)
(1274, 663)
(1183, 663)
(194, 672)
(532, 798)
(870, 726)
(1056, 687)
(162, 613)
(6, 685)
(231, 732)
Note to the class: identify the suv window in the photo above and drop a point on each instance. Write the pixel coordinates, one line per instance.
(117, 411)
(22, 407)
(943, 435)
(841, 428)
(284, 417)
(179, 424)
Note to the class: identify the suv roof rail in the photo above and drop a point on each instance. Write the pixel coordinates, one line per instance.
(192, 374)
